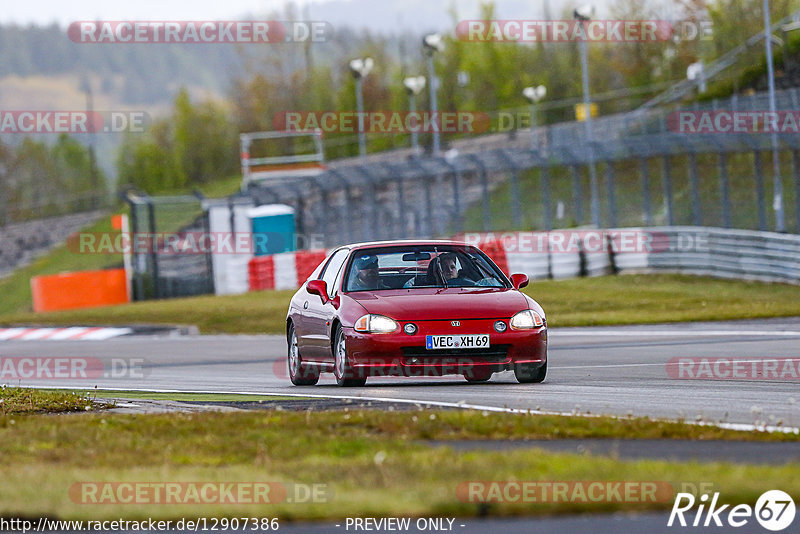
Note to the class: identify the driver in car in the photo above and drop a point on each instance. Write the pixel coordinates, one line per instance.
(447, 261)
(367, 277)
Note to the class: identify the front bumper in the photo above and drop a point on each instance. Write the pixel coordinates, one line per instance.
(401, 354)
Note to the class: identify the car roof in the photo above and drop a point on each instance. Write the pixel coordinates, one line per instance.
(399, 242)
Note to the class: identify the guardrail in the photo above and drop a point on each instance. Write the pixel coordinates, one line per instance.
(717, 252)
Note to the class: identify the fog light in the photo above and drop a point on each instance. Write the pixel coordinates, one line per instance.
(410, 329)
(500, 326)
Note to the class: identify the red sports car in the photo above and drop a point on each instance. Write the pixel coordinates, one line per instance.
(413, 308)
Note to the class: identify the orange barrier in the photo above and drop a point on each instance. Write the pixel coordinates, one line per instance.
(82, 289)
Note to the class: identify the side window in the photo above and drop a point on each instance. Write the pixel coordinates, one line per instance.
(329, 275)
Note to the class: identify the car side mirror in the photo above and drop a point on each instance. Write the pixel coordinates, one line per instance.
(318, 287)
(519, 280)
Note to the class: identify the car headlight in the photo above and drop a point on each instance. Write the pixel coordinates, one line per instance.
(375, 324)
(525, 320)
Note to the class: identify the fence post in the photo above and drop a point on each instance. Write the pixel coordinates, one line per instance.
(138, 283)
(612, 203)
(544, 177)
(208, 255)
(796, 173)
(577, 194)
(667, 179)
(426, 186)
(695, 189)
(151, 221)
(487, 213)
(644, 170)
(516, 210)
(347, 233)
(401, 206)
(725, 194)
(373, 197)
(456, 194)
(762, 211)
(300, 219)
(323, 209)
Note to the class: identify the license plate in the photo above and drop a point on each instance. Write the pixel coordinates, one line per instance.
(480, 341)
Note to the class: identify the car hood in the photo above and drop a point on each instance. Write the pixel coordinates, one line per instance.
(442, 304)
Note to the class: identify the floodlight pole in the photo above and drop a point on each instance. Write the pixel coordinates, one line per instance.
(412, 109)
(434, 106)
(777, 184)
(587, 122)
(362, 141)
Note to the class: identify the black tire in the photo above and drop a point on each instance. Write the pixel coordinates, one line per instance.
(530, 373)
(344, 374)
(299, 374)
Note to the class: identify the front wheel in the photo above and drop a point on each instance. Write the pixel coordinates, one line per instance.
(299, 374)
(342, 371)
(530, 373)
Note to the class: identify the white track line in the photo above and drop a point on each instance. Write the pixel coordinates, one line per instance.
(664, 364)
(443, 404)
(674, 333)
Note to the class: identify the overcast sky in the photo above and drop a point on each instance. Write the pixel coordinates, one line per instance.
(64, 12)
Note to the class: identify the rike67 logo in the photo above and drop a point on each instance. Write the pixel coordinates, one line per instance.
(774, 510)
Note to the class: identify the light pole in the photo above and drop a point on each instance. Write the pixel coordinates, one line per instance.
(86, 87)
(414, 86)
(534, 96)
(359, 68)
(431, 44)
(777, 184)
(582, 16)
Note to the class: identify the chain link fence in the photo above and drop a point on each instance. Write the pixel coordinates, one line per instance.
(162, 266)
(647, 172)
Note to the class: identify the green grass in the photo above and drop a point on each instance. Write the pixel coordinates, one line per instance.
(186, 397)
(16, 288)
(17, 401)
(369, 463)
(219, 188)
(607, 300)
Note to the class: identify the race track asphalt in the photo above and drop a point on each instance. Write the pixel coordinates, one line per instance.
(601, 370)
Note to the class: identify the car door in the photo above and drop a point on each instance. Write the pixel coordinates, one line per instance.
(316, 343)
(299, 306)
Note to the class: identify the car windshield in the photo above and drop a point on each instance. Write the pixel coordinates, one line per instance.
(421, 266)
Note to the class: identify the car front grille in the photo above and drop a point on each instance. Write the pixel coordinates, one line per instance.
(494, 354)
